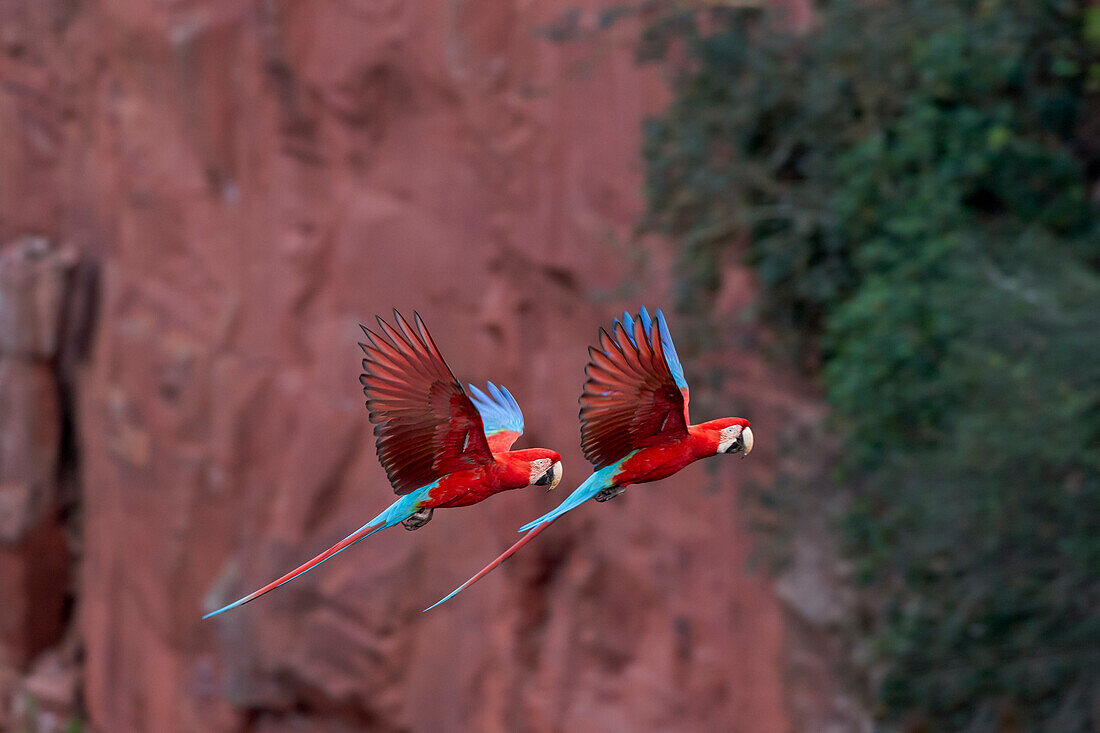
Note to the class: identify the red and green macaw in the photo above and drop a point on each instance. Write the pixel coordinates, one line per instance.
(440, 448)
(634, 421)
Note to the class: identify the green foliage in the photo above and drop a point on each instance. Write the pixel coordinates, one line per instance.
(922, 207)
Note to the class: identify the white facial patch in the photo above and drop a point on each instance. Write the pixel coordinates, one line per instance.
(727, 437)
(538, 468)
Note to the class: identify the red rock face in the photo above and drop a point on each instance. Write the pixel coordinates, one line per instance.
(34, 557)
(256, 178)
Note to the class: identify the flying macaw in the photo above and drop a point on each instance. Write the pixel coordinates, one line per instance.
(440, 448)
(634, 421)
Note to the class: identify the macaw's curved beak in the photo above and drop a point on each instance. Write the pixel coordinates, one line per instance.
(743, 444)
(551, 478)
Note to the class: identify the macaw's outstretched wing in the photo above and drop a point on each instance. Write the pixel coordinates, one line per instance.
(425, 424)
(501, 415)
(635, 395)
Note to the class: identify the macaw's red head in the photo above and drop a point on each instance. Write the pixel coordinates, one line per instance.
(731, 434)
(544, 466)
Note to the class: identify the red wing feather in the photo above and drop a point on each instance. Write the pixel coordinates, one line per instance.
(425, 424)
(630, 399)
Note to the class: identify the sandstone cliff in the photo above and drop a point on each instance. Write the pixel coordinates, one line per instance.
(251, 179)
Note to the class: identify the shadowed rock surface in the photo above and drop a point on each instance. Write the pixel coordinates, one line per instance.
(251, 180)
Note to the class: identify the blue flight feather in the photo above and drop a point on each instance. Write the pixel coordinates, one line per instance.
(671, 358)
(628, 328)
(499, 409)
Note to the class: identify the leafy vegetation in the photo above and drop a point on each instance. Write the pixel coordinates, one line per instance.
(919, 181)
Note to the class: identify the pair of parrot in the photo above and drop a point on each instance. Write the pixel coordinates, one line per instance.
(444, 447)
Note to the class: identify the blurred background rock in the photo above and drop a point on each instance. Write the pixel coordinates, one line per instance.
(875, 224)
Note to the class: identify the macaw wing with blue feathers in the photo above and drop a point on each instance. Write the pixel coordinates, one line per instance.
(501, 415)
(636, 395)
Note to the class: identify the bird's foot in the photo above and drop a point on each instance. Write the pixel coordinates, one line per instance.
(609, 493)
(418, 520)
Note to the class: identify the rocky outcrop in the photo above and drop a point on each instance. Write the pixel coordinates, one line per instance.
(253, 179)
(34, 550)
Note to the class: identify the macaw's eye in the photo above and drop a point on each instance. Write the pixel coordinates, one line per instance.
(540, 471)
